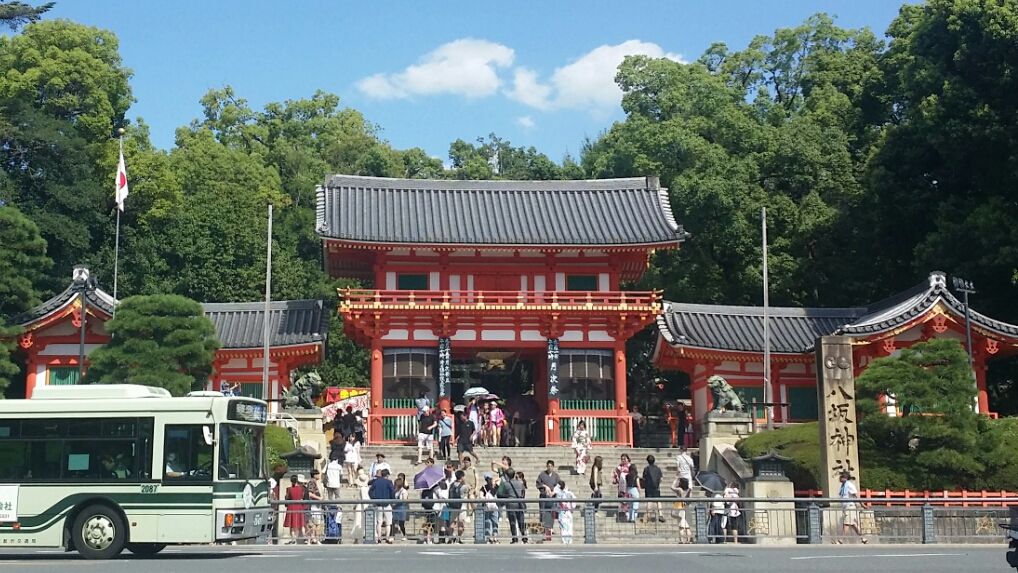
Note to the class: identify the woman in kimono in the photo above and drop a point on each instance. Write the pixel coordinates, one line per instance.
(566, 506)
(581, 446)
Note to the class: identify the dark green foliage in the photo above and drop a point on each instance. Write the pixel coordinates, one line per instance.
(801, 443)
(941, 443)
(158, 340)
(278, 440)
(16, 14)
(23, 267)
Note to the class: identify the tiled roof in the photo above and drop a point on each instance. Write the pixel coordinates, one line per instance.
(630, 211)
(97, 298)
(795, 330)
(240, 324)
(740, 328)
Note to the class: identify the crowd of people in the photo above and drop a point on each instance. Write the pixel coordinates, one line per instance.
(461, 491)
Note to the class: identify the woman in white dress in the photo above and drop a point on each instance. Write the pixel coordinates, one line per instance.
(566, 505)
(581, 446)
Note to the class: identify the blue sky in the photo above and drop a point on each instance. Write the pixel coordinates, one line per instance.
(536, 73)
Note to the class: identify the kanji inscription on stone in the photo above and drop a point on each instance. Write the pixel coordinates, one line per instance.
(839, 448)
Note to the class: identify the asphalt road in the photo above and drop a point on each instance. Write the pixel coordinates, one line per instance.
(526, 559)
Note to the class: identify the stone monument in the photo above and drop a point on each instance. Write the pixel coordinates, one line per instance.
(839, 443)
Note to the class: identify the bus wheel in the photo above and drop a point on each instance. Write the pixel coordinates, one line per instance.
(145, 549)
(99, 533)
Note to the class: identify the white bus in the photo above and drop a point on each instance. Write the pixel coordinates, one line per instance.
(99, 468)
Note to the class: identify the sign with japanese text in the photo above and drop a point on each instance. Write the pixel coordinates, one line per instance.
(8, 503)
(839, 447)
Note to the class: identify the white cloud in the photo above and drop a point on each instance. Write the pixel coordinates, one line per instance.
(526, 122)
(528, 90)
(586, 83)
(467, 67)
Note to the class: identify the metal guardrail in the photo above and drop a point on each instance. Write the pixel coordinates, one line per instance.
(647, 520)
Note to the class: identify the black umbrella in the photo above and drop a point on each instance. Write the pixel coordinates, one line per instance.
(711, 481)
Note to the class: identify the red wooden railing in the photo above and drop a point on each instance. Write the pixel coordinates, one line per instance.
(961, 498)
(558, 429)
(507, 300)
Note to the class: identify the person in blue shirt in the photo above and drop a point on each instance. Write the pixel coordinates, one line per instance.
(444, 435)
(382, 488)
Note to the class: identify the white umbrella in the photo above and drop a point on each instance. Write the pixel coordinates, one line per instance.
(475, 392)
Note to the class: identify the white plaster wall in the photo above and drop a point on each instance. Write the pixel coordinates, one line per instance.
(498, 335)
(424, 334)
(434, 280)
(397, 334)
(599, 336)
(390, 280)
(539, 285)
(531, 335)
(560, 281)
(464, 335)
(66, 349)
(572, 336)
(603, 283)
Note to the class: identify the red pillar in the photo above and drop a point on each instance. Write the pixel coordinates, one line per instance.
(374, 415)
(982, 396)
(623, 430)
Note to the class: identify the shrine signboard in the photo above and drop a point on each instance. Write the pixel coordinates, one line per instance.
(839, 443)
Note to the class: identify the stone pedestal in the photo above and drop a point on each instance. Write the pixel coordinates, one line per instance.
(770, 523)
(722, 428)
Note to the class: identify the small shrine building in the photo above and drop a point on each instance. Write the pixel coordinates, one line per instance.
(704, 340)
(50, 339)
(513, 286)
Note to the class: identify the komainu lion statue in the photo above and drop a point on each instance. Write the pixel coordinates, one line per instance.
(724, 395)
(302, 393)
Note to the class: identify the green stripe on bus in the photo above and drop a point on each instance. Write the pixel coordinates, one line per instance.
(69, 502)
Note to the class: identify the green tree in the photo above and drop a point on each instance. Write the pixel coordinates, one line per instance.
(23, 266)
(71, 72)
(158, 340)
(772, 125)
(948, 159)
(939, 441)
(496, 158)
(213, 242)
(16, 14)
(63, 90)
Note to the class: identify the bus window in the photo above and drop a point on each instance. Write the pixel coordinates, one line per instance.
(240, 452)
(13, 461)
(187, 455)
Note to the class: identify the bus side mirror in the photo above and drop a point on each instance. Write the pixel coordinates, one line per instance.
(207, 432)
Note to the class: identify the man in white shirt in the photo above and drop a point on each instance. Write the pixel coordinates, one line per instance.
(849, 513)
(379, 465)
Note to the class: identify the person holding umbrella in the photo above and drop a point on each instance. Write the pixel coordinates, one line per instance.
(427, 481)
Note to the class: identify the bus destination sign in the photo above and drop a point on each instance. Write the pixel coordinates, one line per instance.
(248, 412)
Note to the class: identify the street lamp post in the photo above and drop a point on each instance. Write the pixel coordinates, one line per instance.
(83, 280)
(966, 288)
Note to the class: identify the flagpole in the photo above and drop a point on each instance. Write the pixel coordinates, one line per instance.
(768, 398)
(266, 317)
(116, 248)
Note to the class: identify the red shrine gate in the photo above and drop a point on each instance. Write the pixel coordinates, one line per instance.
(510, 285)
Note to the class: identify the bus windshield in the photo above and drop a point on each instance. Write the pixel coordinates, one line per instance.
(241, 449)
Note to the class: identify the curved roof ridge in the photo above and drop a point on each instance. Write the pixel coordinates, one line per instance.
(632, 211)
(522, 185)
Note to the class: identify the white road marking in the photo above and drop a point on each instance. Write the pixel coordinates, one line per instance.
(885, 555)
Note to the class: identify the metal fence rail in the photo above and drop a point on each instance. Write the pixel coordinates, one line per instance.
(649, 520)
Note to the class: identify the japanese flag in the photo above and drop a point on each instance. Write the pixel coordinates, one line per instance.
(121, 182)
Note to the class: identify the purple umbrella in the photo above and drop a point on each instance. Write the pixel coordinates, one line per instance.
(428, 477)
